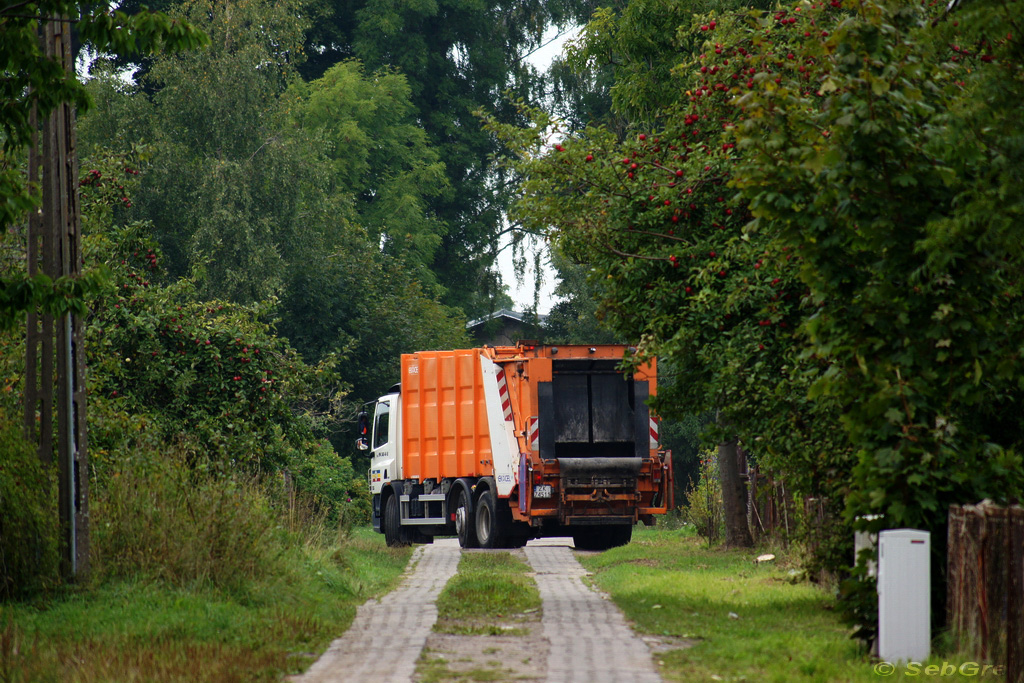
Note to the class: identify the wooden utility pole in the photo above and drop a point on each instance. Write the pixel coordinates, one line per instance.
(54, 248)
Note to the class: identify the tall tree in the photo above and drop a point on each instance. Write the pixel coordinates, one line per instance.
(458, 56)
(259, 185)
(378, 155)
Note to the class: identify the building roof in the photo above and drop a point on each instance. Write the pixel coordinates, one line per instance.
(508, 315)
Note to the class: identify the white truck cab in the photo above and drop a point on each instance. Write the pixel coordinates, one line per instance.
(385, 463)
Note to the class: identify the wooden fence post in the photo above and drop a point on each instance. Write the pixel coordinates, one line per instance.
(986, 584)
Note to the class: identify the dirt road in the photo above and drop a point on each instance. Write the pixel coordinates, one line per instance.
(581, 635)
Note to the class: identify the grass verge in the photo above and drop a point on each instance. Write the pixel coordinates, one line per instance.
(743, 621)
(490, 593)
(142, 630)
(486, 615)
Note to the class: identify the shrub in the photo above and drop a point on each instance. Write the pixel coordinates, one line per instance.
(29, 557)
(704, 500)
(332, 481)
(164, 362)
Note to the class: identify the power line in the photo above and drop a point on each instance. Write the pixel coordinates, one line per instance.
(544, 45)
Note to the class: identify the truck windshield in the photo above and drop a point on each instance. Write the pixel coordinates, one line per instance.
(380, 424)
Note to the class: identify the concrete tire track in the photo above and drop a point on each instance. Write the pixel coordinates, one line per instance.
(589, 639)
(387, 636)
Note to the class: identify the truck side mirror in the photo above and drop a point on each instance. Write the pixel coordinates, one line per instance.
(363, 428)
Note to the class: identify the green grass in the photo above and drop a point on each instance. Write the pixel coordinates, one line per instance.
(435, 669)
(490, 591)
(670, 584)
(148, 631)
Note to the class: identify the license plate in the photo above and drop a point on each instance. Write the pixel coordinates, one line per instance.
(542, 491)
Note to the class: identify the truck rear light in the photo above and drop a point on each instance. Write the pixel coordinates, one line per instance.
(537, 478)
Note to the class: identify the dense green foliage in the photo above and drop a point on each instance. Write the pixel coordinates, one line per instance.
(905, 218)
(179, 522)
(161, 357)
(815, 221)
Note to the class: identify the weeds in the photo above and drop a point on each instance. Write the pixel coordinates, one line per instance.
(28, 517)
(147, 630)
(185, 525)
(200, 574)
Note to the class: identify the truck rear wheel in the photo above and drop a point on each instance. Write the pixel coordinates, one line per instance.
(602, 537)
(393, 535)
(465, 525)
(492, 527)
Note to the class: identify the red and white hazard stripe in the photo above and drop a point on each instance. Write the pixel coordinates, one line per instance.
(654, 433)
(531, 433)
(506, 402)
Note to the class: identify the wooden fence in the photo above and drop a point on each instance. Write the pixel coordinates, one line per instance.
(771, 511)
(986, 584)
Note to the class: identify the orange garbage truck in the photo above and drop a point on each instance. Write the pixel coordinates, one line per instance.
(499, 445)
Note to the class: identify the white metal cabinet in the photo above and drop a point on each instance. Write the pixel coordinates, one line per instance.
(904, 595)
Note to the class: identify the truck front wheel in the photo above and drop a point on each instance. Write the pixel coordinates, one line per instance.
(393, 524)
(492, 527)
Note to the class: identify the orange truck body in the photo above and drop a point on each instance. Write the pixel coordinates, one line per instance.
(555, 437)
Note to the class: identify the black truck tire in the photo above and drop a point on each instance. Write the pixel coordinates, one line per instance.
(602, 537)
(492, 522)
(465, 523)
(393, 536)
